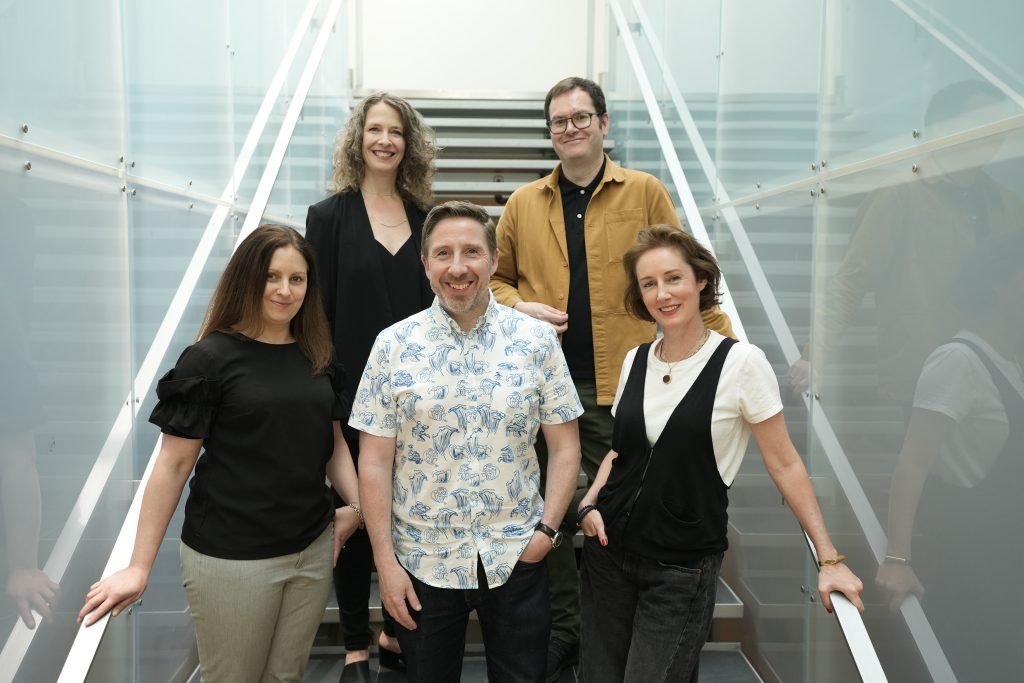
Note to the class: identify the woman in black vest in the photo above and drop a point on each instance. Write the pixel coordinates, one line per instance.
(655, 518)
(367, 242)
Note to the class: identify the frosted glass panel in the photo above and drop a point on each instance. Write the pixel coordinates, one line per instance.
(889, 74)
(59, 76)
(179, 93)
(67, 371)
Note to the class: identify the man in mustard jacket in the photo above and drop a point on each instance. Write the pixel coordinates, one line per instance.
(560, 243)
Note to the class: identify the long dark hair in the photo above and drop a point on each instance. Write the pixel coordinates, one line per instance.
(237, 303)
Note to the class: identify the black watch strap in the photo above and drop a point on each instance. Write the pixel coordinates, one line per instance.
(546, 530)
(555, 536)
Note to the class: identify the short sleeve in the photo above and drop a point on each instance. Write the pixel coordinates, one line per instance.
(559, 402)
(759, 391)
(342, 401)
(949, 381)
(373, 409)
(188, 397)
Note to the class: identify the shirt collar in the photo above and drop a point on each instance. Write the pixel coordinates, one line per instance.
(441, 317)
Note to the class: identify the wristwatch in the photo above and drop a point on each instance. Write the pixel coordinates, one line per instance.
(555, 536)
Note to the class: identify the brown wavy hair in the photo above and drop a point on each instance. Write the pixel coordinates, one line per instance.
(416, 170)
(704, 265)
(237, 302)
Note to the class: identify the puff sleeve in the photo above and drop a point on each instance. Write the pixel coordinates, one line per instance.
(189, 395)
(342, 401)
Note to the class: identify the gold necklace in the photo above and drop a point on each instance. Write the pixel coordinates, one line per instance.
(667, 377)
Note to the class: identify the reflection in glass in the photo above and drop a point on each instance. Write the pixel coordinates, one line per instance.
(29, 592)
(908, 244)
(957, 480)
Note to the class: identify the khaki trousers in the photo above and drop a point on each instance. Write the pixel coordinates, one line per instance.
(255, 619)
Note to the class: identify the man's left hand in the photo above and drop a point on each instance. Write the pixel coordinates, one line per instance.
(537, 549)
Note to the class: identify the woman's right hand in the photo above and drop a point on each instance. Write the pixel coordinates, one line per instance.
(593, 525)
(113, 594)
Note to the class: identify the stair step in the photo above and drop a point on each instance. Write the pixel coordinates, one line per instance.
(727, 605)
(437, 122)
(492, 143)
(719, 663)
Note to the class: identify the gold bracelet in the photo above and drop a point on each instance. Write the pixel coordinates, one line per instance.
(830, 563)
(359, 513)
(897, 560)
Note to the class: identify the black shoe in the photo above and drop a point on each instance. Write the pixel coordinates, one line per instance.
(561, 656)
(390, 659)
(356, 672)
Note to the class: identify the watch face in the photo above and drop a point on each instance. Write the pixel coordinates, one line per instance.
(556, 539)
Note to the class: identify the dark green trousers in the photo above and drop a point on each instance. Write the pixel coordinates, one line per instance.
(563, 573)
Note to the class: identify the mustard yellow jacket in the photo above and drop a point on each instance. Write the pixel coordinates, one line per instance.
(533, 261)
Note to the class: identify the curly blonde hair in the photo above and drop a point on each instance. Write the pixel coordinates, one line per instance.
(416, 171)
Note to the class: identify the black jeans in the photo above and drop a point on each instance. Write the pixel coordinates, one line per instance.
(644, 621)
(515, 619)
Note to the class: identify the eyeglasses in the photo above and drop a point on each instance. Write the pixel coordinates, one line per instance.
(581, 120)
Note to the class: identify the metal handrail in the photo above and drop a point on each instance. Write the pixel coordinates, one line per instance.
(850, 621)
(83, 650)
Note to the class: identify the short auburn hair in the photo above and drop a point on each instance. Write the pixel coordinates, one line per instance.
(703, 262)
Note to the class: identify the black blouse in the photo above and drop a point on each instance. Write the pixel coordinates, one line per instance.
(360, 298)
(258, 489)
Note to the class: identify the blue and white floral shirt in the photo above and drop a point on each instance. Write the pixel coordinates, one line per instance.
(464, 409)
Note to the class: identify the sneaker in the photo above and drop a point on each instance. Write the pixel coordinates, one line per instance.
(561, 656)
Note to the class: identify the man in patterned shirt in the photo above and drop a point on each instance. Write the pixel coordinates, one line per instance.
(448, 407)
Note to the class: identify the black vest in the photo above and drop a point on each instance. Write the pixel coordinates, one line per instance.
(667, 502)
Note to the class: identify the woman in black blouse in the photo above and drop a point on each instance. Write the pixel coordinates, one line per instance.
(259, 396)
(367, 241)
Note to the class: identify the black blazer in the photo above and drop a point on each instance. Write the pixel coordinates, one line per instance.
(351, 277)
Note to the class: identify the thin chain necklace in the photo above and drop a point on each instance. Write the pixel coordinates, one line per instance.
(377, 220)
(388, 225)
(667, 377)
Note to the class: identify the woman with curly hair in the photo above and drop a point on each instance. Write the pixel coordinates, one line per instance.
(367, 242)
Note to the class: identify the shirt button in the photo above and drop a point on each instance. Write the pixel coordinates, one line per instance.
(583, 191)
(579, 215)
(560, 297)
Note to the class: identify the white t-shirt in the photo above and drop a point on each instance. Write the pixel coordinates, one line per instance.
(954, 383)
(748, 393)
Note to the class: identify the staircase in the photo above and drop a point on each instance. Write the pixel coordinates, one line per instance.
(489, 148)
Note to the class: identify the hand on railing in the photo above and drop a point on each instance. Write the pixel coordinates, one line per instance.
(31, 589)
(839, 578)
(898, 581)
(113, 594)
(798, 375)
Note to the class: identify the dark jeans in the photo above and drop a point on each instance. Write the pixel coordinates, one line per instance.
(515, 619)
(644, 621)
(596, 425)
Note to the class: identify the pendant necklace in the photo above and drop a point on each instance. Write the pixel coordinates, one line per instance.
(667, 377)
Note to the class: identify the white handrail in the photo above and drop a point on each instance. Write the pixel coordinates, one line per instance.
(851, 623)
(675, 168)
(86, 642)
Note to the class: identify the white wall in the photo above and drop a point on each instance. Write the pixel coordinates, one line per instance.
(472, 45)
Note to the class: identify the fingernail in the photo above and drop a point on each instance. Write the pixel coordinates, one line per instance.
(829, 610)
(604, 541)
